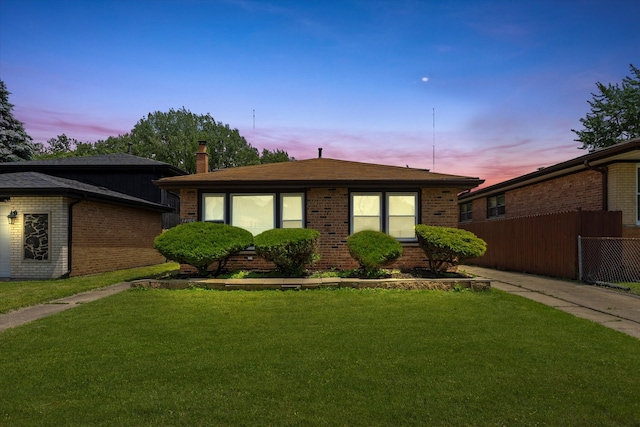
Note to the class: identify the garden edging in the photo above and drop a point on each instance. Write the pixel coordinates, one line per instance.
(475, 283)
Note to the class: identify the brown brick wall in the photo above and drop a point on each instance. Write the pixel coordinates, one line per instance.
(327, 210)
(188, 205)
(577, 191)
(568, 193)
(108, 237)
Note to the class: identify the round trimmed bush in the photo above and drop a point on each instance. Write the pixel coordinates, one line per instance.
(446, 246)
(290, 249)
(373, 249)
(200, 244)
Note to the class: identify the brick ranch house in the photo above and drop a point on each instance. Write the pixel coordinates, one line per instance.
(52, 227)
(597, 194)
(334, 197)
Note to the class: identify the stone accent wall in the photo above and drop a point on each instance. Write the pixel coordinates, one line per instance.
(110, 237)
(55, 264)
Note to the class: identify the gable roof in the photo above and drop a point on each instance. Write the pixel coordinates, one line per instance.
(39, 184)
(115, 161)
(628, 151)
(317, 172)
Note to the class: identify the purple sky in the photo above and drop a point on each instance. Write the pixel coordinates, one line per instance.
(361, 78)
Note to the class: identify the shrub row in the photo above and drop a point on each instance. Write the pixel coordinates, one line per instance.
(201, 244)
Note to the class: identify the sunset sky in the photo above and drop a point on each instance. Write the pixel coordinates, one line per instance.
(508, 80)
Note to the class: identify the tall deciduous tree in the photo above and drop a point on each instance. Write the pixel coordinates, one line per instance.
(15, 144)
(274, 156)
(614, 115)
(172, 137)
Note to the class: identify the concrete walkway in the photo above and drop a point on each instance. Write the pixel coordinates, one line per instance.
(29, 314)
(613, 309)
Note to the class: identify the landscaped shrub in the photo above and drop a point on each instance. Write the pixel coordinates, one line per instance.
(372, 250)
(202, 243)
(290, 249)
(446, 246)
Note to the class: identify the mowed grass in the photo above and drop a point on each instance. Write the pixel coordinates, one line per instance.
(317, 358)
(24, 293)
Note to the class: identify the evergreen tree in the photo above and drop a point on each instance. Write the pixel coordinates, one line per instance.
(615, 114)
(15, 144)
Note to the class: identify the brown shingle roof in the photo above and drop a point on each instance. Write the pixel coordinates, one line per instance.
(318, 172)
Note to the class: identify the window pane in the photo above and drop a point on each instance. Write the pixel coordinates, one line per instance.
(292, 207)
(254, 213)
(292, 224)
(213, 207)
(366, 223)
(402, 205)
(366, 205)
(402, 227)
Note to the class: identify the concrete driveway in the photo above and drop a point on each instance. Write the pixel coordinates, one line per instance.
(613, 309)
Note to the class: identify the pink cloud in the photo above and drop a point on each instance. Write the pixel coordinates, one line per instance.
(42, 125)
(456, 153)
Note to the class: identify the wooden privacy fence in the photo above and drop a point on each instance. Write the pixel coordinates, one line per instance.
(542, 244)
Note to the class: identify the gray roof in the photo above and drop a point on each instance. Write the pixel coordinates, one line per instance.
(116, 161)
(36, 183)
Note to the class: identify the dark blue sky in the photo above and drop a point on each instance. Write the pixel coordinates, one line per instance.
(361, 78)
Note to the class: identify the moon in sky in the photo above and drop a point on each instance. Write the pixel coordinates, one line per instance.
(425, 79)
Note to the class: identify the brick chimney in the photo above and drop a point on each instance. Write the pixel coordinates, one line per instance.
(202, 158)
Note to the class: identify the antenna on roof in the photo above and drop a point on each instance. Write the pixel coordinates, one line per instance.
(434, 139)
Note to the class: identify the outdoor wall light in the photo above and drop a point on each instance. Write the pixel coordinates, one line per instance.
(12, 216)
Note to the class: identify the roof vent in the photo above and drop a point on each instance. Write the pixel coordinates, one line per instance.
(319, 153)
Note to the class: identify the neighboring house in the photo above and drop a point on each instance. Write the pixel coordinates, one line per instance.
(599, 192)
(119, 172)
(334, 197)
(53, 227)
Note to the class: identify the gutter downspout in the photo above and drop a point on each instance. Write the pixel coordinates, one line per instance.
(605, 183)
(69, 236)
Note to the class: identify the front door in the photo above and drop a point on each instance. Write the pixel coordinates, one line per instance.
(5, 258)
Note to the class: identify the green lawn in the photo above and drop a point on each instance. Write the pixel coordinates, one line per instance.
(634, 287)
(24, 293)
(318, 358)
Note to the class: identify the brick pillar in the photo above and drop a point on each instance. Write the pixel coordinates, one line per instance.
(202, 158)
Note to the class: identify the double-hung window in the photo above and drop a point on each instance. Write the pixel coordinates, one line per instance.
(495, 206)
(466, 211)
(393, 213)
(292, 208)
(255, 212)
